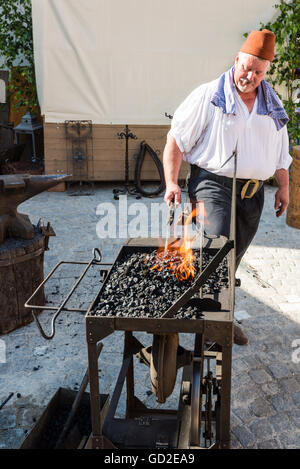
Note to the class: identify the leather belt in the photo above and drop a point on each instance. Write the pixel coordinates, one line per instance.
(250, 188)
(246, 188)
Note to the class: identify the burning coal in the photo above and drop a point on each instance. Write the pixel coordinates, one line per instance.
(179, 262)
(179, 258)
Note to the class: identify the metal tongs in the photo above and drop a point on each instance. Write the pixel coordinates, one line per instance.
(172, 209)
(170, 221)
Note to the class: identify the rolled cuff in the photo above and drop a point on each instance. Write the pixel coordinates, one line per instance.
(177, 137)
(284, 163)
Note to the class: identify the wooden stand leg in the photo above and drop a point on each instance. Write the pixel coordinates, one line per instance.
(225, 397)
(129, 376)
(94, 390)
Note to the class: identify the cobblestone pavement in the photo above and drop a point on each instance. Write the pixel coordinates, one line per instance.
(266, 375)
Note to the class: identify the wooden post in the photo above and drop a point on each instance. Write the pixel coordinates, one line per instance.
(293, 211)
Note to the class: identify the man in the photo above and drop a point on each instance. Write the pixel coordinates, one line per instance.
(239, 108)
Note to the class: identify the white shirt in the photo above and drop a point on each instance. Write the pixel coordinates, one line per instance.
(207, 136)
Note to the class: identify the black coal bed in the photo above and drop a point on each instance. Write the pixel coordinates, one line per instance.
(143, 285)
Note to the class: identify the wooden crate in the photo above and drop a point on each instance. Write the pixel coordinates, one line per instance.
(62, 398)
(108, 151)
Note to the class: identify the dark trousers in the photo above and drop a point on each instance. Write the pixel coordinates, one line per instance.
(215, 191)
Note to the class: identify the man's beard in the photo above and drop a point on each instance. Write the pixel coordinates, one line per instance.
(243, 85)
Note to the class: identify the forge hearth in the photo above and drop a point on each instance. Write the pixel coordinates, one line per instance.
(135, 288)
(110, 311)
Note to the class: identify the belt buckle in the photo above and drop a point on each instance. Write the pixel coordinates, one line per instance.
(246, 186)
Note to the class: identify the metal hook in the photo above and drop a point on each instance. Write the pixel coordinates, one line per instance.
(97, 256)
(45, 336)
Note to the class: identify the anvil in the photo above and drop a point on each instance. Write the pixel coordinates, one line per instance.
(15, 189)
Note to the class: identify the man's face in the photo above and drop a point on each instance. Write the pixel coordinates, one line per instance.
(249, 72)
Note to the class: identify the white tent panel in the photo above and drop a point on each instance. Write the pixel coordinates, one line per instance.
(117, 62)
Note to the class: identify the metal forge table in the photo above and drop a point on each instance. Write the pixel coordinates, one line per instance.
(191, 423)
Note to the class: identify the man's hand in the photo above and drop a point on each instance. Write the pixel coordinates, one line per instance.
(281, 200)
(282, 195)
(173, 193)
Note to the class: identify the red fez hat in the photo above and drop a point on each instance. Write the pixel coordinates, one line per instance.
(261, 44)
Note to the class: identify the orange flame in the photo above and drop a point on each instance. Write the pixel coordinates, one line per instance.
(180, 258)
(186, 267)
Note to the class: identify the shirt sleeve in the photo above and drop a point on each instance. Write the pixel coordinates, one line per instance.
(285, 158)
(191, 118)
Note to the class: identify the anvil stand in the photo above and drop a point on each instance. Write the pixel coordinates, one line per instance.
(126, 189)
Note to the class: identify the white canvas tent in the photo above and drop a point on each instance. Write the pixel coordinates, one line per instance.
(117, 62)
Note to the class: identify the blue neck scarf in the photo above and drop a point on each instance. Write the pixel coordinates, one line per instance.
(268, 102)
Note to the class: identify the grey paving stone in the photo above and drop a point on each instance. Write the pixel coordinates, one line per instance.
(261, 429)
(252, 361)
(295, 417)
(292, 331)
(296, 398)
(268, 444)
(234, 420)
(244, 414)
(282, 403)
(7, 419)
(260, 376)
(295, 370)
(281, 422)
(239, 365)
(279, 370)
(271, 357)
(270, 389)
(290, 385)
(246, 394)
(245, 437)
(234, 442)
(240, 352)
(11, 439)
(261, 408)
(242, 379)
(6, 368)
(290, 441)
